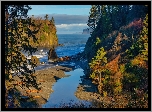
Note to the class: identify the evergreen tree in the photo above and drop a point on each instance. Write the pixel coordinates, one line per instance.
(52, 20)
(46, 17)
(144, 40)
(17, 36)
(93, 18)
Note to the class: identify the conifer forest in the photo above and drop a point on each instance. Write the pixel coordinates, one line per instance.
(107, 68)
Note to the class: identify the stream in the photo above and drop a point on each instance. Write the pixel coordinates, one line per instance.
(65, 88)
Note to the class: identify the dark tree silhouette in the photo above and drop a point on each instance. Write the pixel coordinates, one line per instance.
(17, 35)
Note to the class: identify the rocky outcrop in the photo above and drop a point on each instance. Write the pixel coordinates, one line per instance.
(46, 35)
(45, 78)
(52, 54)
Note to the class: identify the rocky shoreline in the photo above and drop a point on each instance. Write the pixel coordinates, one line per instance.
(46, 78)
(88, 91)
(85, 91)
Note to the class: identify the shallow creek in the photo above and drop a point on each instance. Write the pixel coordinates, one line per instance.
(64, 90)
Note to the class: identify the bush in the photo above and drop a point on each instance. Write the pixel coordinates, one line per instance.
(35, 60)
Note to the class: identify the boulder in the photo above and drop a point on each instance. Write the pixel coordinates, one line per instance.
(60, 45)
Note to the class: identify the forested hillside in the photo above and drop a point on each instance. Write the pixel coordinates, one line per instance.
(118, 61)
(47, 34)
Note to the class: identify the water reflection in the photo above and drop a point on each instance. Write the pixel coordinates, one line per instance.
(64, 89)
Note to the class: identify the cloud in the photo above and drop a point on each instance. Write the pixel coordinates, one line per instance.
(69, 19)
(68, 23)
(63, 28)
(66, 19)
(68, 26)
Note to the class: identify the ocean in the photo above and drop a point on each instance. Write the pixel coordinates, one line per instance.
(72, 44)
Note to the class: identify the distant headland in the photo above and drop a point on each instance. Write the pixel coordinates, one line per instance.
(87, 31)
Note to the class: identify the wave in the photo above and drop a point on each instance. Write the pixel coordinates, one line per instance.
(38, 56)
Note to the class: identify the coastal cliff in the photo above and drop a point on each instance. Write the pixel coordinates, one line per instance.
(46, 35)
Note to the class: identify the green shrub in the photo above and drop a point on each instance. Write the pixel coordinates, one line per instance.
(99, 59)
(122, 68)
(35, 60)
(46, 28)
(98, 41)
(42, 37)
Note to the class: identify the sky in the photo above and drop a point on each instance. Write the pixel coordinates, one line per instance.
(69, 19)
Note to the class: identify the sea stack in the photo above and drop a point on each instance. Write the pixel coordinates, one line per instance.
(52, 54)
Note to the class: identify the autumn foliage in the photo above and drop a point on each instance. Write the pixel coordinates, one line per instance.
(125, 49)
